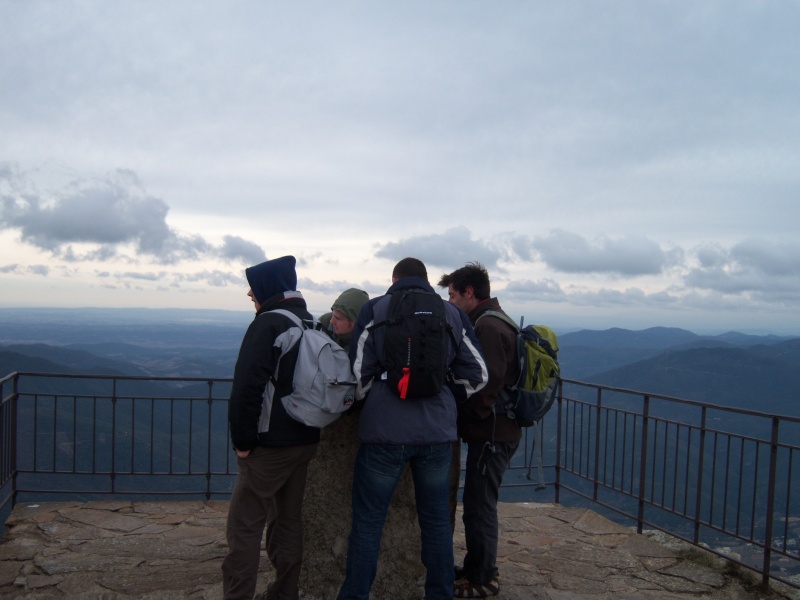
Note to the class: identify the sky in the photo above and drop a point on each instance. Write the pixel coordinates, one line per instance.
(627, 163)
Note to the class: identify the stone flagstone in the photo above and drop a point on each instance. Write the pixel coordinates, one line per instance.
(547, 552)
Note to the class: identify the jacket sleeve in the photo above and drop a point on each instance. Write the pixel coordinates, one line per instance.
(468, 370)
(257, 361)
(363, 353)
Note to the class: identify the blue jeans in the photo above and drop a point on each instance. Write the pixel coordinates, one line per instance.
(377, 471)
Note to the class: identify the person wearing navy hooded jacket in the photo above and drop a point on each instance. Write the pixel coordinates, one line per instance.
(272, 449)
(396, 432)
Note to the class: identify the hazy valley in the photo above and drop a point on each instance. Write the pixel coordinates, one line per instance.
(732, 369)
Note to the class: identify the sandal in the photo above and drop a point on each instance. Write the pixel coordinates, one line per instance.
(464, 588)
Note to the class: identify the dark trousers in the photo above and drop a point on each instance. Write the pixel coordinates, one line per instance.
(269, 491)
(484, 474)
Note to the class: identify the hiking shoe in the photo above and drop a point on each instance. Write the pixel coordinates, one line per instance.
(464, 588)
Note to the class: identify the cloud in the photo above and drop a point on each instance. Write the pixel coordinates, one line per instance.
(626, 256)
(214, 278)
(757, 273)
(516, 246)
(9, 268)
(763, 269)
(100, 254)
(110, 211)
(105, 213)
(560, 250)
(549, 291)
(545, 290)
(42, 270)
(171, 280)
(235, 247)
(142, 276)
(453, 247)
(768, 258)
(333, 288)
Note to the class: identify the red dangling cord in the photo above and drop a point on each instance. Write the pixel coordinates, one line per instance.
(402, 385)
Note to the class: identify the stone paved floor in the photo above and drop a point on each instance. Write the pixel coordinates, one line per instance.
(173, 551)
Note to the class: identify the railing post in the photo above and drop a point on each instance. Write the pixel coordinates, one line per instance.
(559, 399)
(643, 464)
(700, 466)
(210, 401)
(773, 468)
(597, 436)
(13, 439)
(112, 470)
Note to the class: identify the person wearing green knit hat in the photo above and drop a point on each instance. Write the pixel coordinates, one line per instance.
(344, 310)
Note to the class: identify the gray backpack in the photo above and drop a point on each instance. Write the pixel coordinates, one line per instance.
(323, 385)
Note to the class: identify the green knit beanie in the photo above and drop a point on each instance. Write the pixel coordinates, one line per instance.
(350, 302)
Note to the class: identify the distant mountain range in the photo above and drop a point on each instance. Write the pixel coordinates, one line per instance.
(732, 369)
(141, 342)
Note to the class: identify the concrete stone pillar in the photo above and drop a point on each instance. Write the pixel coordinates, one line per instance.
(327, 515)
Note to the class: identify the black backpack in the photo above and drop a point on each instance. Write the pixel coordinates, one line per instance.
(416, 343)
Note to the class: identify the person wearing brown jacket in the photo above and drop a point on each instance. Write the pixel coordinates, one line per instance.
(492, 439)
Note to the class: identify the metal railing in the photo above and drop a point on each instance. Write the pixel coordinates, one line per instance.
(86, 437)
(724, 478)
(719, 477)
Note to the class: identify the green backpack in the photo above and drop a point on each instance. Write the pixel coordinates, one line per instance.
(532, 396)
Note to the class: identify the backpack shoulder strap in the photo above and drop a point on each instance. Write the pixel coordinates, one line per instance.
(292, 317)
(298, 322)
(519, 342)
(386, 320)
(499, 315)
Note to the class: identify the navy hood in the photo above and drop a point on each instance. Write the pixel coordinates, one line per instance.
(272, 277)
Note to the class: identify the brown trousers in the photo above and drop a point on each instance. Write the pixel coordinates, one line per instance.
(269, 491)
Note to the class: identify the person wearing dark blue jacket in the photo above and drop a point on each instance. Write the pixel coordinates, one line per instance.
(272, 449)
(395, 432)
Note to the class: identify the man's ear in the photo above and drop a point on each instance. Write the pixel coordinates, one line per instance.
(469, 291)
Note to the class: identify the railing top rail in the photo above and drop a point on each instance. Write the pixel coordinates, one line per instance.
(597, 386)
(9, 377)
(685, 401)
(111, 377)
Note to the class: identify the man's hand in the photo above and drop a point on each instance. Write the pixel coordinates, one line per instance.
(243, 453)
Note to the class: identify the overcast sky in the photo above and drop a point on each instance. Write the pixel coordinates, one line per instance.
(613, 164)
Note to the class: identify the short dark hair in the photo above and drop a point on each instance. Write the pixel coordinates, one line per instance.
(472, 275)
(410, 267)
